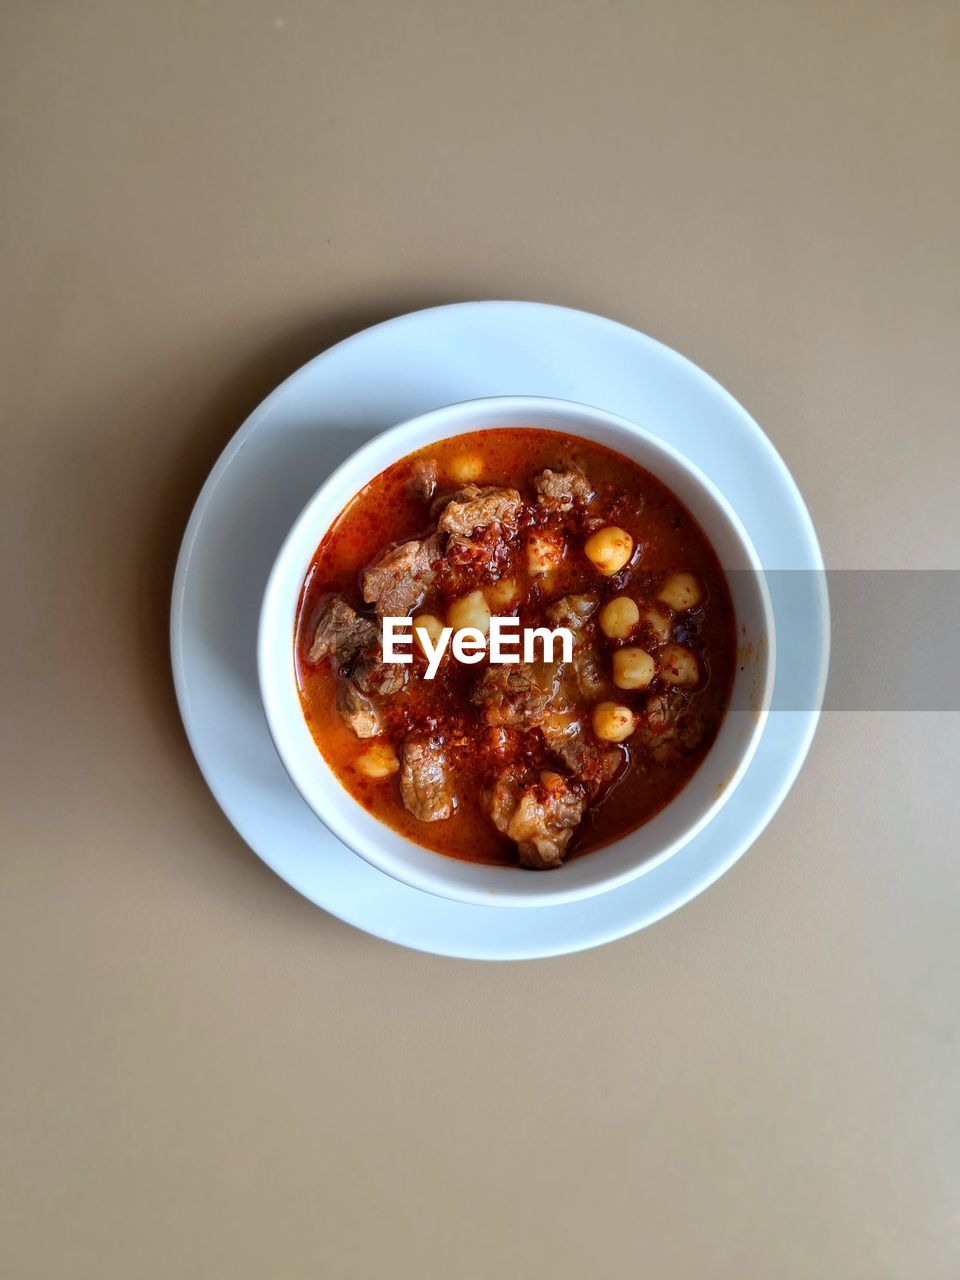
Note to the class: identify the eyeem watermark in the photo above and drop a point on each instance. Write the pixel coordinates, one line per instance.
(505, 643)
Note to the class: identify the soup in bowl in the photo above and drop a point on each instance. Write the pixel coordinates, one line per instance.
(516, 636)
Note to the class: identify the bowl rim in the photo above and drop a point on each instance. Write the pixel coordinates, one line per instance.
(404, 438)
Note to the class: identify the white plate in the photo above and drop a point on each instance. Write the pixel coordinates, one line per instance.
(312, 422)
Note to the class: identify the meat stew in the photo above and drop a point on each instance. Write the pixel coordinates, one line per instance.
(531, 762)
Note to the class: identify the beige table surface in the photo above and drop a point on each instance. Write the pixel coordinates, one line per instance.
(202, 1075)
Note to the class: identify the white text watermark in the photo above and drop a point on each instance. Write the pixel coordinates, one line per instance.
(505, 643)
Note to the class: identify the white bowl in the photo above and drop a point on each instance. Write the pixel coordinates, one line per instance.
(669, 830)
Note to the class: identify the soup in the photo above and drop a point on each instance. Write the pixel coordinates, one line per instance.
(537, 759)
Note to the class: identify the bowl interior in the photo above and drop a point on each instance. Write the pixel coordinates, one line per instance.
(601, 869)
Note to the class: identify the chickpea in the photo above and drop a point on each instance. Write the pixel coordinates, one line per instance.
(432, 625)
(503, 594)
(618, 617)
(678, 665)
(469, 611)
(613, 722)
(543, 553)
(681, 591)
(658, 622)
(609, 549)
(378, 761)
(465, 467)
(633, 668)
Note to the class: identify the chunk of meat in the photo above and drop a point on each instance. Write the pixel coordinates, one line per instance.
(572, 612)
(398, 580)
(595, 766)
(481, 557)
(588, 670)
(560, 490)
(422, 483)
(470, 492)
(515, 696)
(357, 711)
(339, 631)
(464, 553)
(476, 506)
(670, 727)
(539, 818)
(424, 779)
(374, 676)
